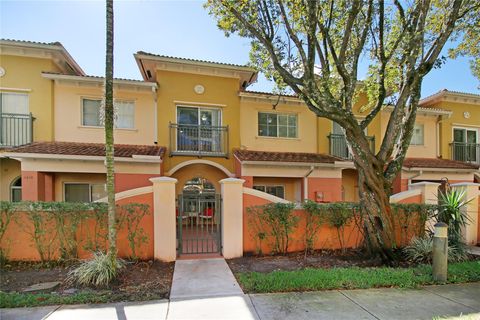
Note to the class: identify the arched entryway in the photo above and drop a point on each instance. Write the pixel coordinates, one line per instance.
(198, 209)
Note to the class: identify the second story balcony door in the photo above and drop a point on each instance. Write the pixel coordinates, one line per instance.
(15, 120)
(465, 146)
(198, 131)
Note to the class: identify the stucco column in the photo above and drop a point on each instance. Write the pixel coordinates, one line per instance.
(164, 219)
(470, 232)
(232, 217)
(429, 196)
(429, 191)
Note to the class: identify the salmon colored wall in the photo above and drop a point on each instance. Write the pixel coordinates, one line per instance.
(127, 181)
(330, 187)
(19, 245)
(248, 181)
(327, 236)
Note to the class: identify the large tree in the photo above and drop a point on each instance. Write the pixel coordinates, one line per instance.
(109, 142)
(314, 47)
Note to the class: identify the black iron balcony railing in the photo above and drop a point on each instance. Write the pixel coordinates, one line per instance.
(339, 148)
(466, 152)
(198, 140)
(15, 129)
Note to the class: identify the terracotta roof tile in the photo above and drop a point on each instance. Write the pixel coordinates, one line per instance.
(250, 155)
(88, 149)
(438, 163)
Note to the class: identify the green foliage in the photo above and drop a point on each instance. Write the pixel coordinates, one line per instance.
(54, 227)
(131, 215)
(314, 218)
(451, 212)
(99, 271)
(20, 300)
(353, 278)
(275, 222)
(410, 219)
(420, 250)
(6, 215)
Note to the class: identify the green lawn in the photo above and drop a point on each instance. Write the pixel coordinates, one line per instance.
(353, 278)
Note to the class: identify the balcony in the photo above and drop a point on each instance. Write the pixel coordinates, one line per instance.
(339, 148)
(198, 140)
(15, 129)
(466, 152)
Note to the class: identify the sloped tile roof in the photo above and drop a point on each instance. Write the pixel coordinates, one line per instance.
(250, 155)
(438, 163)
(88, 149)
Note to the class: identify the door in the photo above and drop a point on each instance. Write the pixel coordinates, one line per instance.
(465, 144)
(198, 129)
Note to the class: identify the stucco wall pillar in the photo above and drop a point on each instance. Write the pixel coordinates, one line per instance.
(232, 217)
(470, 232)
(164, 219)
(429, 191)
(33, 186)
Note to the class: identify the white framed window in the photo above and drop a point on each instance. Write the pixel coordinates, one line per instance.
(83, 192)
(91, 112)
(124, 114)
(16, 190)
(13, 102)
(277, 125)
(124, 117)
(417, 136)
(274, 190)
(190, 115)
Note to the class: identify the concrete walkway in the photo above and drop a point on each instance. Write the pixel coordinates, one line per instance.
(206, 289)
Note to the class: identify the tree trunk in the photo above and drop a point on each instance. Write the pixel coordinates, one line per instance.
(109, 143)
(376, 214)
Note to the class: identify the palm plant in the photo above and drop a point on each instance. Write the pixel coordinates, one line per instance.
(451, 212)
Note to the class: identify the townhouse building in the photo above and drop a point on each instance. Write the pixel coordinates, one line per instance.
(196, 121)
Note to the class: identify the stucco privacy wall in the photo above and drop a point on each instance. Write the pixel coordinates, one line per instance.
(68, 105)
(19, 245)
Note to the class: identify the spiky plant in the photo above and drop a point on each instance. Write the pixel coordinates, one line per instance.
(420, 250)
(98, 271)
(452, 212)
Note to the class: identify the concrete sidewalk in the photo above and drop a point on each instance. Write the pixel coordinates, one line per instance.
(207, 289)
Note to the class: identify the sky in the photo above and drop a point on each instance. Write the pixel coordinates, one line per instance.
(175, 28)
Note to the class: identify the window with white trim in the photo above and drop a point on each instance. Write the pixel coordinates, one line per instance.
(417, 136)
(124, 116)
(277, 125)
(277, 191)
(83, 192)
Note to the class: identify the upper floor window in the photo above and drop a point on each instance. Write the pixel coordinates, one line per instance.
(277, 125)
(417, 136)
(124, 117)
(12, 102)
(198, 116)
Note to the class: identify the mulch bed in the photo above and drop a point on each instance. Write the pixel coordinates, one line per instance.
(142, 280)
(296, 261)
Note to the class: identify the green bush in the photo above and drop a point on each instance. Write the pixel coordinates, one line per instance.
(275, 222)
(420, 250)
(98, 271)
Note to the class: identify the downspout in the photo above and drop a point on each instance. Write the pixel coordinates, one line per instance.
(305, 182)
(155, 115)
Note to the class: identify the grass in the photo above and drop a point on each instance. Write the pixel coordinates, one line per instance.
(353, 278)
(16, 300)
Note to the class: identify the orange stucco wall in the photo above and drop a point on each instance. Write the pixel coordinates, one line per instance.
(19, 245)
(127, 181)
(329, 188)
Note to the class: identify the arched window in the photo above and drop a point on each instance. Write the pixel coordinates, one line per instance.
(16, 190)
